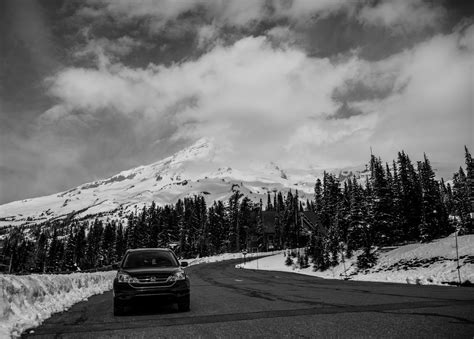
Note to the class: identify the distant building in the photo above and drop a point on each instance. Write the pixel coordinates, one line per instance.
(270, 220)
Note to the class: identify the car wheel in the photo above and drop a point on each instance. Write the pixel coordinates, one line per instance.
(183, 304)
(119, 308)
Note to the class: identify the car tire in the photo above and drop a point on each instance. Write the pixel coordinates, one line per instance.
(184, 304)
(119, 308)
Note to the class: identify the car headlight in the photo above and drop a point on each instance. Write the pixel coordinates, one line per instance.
(123, 277)
(177, 276)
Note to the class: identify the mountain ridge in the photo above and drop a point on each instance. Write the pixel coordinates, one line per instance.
(195, 170)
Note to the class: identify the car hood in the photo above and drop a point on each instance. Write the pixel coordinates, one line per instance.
(135, 272)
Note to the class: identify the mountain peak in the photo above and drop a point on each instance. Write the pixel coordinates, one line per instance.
(202, 148)
(197, 169)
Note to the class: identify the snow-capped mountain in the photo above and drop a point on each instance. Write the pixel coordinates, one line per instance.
(192, 171)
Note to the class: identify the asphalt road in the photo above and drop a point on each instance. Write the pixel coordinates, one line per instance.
(230, 303)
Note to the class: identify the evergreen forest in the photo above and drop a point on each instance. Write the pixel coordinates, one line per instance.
(400, 202)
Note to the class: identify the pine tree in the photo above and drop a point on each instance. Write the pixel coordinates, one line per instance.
(81, 246)
(69, 258)
(234, 219)
(142, 229)
(94, 254)
(411, 197)
(297, 222)
(461, 206)
(223, 226)
(41, 252)
(120, 242)
(172, 226)
(260, 232)
(381, 202)
(108, 243)
(183, 231)
(154, 223)
(213, 228)
(132, 232)
(247, 225)
(202, 226)
(434, 218)
(447, 196)
(344, 210)
(287, 220)
(12, 245)
(470, 190)
(269, 203)
(357, 218)
(368, 236)
(280, 212)
(397, 206)
(318, 196)
(55, 253)
(24, 255)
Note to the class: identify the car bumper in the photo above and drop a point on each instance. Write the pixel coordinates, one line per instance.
(125, 292)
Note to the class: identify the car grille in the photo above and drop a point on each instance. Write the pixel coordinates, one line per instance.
(154, 280)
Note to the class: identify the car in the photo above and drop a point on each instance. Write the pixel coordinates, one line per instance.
(151, 274)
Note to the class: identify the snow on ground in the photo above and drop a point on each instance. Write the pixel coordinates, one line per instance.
(424, 264)
(192, 171)
(227, 256)
(27, 300)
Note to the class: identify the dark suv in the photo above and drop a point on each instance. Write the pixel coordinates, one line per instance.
(151, 273)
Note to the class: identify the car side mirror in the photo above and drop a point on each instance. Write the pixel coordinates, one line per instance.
(184, 264)
(115, 266)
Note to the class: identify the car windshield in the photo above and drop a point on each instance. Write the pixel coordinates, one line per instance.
(150, 259)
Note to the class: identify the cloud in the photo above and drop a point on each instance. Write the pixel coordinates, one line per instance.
(282, 35)
(207, 23)
(179, 17)
(39, 164)
(467, 37)
(161, 10)
(258, 83)
(249, 93)
(207, 35)
(402, 16)
(433, 111)
(104, 49)
(278, 104)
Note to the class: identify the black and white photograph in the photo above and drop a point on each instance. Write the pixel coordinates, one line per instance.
(236, 169)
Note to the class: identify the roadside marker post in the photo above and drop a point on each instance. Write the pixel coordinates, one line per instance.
(457, 256)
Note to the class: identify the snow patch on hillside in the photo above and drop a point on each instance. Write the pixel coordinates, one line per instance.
(27, 300)
(432, 263)
(196, 170)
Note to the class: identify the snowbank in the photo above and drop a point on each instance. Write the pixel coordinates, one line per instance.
(227, 256)
(431, 263)
(26, 301)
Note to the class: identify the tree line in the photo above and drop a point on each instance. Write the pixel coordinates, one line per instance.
(398, 203)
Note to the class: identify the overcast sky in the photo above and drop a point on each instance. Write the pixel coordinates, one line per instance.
(90, 88)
